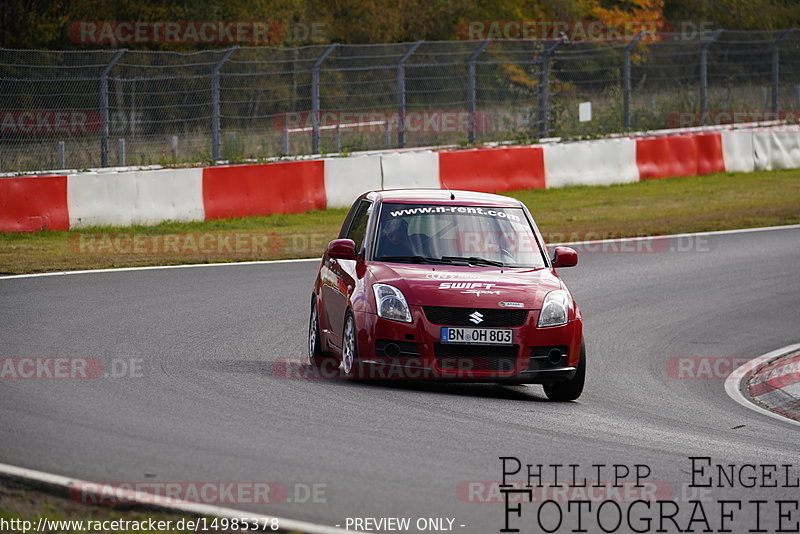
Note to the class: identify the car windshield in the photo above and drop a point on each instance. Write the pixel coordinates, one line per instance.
(417, 233)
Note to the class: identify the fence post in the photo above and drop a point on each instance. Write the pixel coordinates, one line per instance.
(62, 156)
(104, 116)
(471, 88)
(544, 90)
(704, 75)
(215, 120)
(121, 152)
(776, 59)
(626, 80)
(315, 97)
(401, 94)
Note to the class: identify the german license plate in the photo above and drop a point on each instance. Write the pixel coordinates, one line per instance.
(476, 336)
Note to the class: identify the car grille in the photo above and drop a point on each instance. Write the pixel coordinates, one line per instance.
(461, 316)
(475, 357)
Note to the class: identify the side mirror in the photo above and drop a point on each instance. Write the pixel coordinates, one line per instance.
(565, 257)
(342, 249)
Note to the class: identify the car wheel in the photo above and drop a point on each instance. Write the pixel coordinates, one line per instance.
(316, 358)
(571, 389)
(349, 347)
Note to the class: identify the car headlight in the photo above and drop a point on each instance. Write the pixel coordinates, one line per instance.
(391, 303)
(555, 309)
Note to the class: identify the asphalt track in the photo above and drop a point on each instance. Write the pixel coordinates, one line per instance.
(208, 406)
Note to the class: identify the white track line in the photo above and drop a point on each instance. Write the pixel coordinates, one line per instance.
(734, 382)
(148, 499)
(673, 236)
(154, 267)
(267, 262)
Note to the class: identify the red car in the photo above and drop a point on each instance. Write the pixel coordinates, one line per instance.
(449, 285)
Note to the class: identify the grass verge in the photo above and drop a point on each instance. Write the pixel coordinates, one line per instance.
(655, 207)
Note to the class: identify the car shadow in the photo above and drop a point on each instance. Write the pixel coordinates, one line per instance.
(296, 369)
(483, 390)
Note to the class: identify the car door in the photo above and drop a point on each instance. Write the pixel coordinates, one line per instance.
(340, 274)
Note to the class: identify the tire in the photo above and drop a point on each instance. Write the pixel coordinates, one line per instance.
(316, 358)
(349, 361)
(571, 389)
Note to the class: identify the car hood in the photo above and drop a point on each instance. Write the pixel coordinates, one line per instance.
(467, 286)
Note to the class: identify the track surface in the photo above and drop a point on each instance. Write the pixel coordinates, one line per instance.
(208, 407)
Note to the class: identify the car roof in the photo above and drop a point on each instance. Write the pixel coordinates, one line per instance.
(442, 196)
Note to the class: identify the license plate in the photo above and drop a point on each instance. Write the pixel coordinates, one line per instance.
(476, 336)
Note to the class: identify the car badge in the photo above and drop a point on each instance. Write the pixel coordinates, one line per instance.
(476, 317)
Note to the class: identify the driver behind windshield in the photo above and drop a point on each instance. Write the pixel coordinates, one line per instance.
(394, 239)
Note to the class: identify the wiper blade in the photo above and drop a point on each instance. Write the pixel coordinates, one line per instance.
(415, 259)
(476, 260)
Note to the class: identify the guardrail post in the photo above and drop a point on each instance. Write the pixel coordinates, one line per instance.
(401, 94)
(544, 90)
(62, 156)
(121, 152)
(104, 115)
(626, 80)
(776, 67)
(472, 90)
(315, 97)
(215, 116)
(704, 74)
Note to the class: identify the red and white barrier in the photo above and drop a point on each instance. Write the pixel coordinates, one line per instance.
(737, 151)
(493, 170)
(231, 191)
(31, 203)
(410, 169)
(135, 198)
(601, 162)
(347, 178)
(679, 155)
(776, 149)
(151, 196)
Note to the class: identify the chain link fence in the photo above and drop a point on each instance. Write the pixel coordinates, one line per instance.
(86, 109)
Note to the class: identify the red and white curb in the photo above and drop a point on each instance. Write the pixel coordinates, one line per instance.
(63, 484)
(769, 384)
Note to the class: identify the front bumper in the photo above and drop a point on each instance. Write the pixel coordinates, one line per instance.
(393, 350)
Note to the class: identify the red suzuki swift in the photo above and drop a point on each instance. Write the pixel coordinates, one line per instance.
(433, 284)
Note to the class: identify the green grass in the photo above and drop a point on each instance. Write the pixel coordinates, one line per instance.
(721, 201)
(655, 207)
